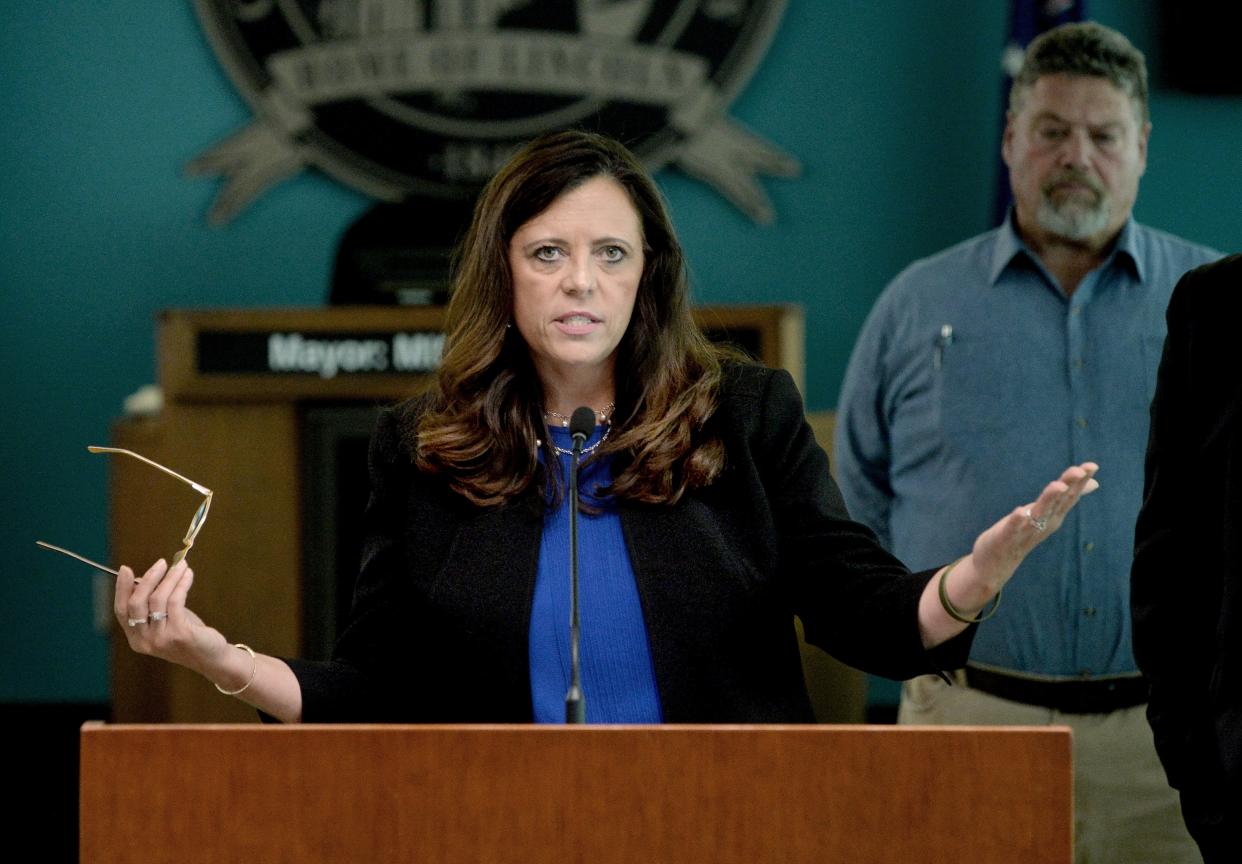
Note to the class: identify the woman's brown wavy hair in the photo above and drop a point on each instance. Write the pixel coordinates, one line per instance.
(482, 414)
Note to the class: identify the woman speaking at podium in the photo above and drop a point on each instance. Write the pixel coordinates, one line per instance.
(708, 518)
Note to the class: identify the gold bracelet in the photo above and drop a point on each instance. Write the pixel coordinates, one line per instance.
(254, 670)
(952, 611)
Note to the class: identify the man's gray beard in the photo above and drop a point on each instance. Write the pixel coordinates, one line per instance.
(1073, 221)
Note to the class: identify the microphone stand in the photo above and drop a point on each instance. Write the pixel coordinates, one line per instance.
(581, 424)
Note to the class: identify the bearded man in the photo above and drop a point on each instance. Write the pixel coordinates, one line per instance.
(984, 367)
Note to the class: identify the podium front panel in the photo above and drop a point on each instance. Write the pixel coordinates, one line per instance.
(527, 794)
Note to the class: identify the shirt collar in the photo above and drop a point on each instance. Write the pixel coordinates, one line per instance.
(1008, 247)
(1127, 251)
(1130, 247)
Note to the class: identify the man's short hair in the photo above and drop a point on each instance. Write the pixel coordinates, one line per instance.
(1084, 49)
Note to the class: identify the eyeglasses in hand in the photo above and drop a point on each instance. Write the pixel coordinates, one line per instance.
(196, 524)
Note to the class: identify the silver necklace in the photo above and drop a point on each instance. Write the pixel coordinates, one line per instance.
(601, 415)
(586, 451)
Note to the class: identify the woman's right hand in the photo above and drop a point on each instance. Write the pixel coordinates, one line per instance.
(155, 620)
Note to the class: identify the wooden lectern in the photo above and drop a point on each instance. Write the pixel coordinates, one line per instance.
(603, 795)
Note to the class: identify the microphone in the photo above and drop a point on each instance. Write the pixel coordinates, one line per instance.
(581, 425)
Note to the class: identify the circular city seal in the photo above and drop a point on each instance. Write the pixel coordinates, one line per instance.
(426, 98)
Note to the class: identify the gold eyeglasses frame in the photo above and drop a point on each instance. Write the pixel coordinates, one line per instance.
(196, 523)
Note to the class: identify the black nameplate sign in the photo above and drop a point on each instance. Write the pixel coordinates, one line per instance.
(325, 354)
(329, 354)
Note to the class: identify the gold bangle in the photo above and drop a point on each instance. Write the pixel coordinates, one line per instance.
(952, 611)
(254, 670)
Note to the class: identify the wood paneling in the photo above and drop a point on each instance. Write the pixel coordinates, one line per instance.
(598, 794)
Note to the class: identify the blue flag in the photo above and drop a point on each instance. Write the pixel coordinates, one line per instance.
(1028, 18)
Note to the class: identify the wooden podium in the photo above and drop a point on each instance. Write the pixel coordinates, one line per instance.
(241, 387)
(638, 795)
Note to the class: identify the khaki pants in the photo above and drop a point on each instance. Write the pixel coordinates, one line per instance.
(1124, 810)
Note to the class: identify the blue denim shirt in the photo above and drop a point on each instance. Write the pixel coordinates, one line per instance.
(976, 381)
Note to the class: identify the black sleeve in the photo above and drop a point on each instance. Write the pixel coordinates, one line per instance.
(357, 684)
(856, 600)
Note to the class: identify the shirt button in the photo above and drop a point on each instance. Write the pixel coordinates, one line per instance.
(1077, 310)
(1078, 364)
(1088, 546)
(1081, 422)
(1089, 611)
(1084, 673)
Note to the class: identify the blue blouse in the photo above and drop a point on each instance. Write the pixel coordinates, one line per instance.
(618, 678)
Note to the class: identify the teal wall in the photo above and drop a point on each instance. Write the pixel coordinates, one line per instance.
(891, 106)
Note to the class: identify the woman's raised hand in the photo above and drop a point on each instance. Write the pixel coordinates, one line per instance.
(1000, 549)
(155, 620)
(961, 590)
